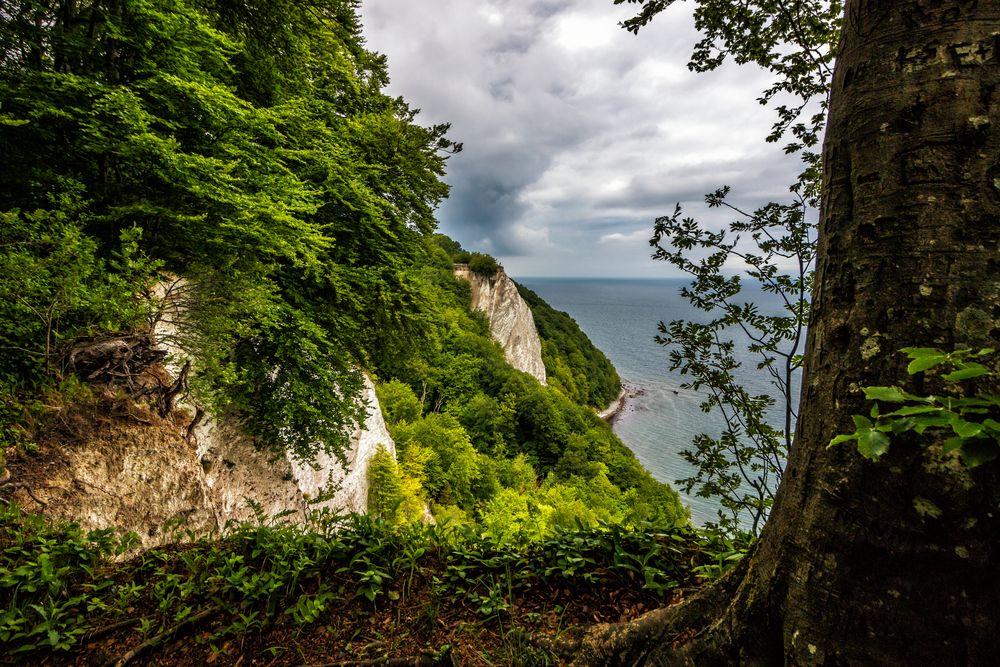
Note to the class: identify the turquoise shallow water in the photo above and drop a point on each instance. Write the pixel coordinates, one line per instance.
(620, 316)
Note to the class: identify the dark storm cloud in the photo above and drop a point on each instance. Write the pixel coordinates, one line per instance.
(577, 134)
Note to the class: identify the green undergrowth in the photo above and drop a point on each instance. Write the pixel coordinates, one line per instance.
(349, 588)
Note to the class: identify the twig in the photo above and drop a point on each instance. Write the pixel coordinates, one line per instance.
(198, 416)
(161, 638)
(14, 486)
(423, 660)
(108, 629)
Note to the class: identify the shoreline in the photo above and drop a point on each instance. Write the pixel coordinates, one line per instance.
(629, 390)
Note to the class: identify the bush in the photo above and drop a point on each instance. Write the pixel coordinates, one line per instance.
(398, 402)
(483, 265)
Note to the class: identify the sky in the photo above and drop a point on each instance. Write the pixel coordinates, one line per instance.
(577, 134)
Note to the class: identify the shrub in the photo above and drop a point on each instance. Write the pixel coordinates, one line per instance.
(483, 264)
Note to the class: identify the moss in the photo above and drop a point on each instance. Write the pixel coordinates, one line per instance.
(973, 326)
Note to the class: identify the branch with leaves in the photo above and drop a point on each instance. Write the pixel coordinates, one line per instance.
(968, 421)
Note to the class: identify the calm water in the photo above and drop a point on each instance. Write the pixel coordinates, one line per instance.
(620, 316)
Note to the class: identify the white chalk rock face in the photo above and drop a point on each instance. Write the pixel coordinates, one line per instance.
(511, 323)
(152, 475)
(239, 475)
(352, 484)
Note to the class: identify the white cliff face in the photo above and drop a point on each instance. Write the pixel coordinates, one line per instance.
(510, 319)
(139, 476)
(236, 471)
(147, 473)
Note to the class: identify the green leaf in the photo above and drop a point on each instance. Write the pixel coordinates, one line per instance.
(842, 438)
(965, 429)
(917, 352)
(952, 444)
(992, 425)
(923, 363)
(901, 425)
(873, 444)
(861, 422)
(890, 394)
(970, 371)
(924, 422)
(913, 410)
(979, 451)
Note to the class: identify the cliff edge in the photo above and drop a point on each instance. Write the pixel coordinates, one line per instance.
(511, 322)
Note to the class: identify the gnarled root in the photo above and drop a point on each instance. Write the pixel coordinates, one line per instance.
(688, 633)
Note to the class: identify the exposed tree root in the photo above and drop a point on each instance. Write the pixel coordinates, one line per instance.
(108, 629)
(132, 363)
(9, 488)
(670, 636)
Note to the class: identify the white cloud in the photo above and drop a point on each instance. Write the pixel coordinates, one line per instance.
(638, 236)
(578, 32)
(577, 133)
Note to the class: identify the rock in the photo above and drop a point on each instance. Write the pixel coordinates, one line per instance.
(142, 471)
(511, 322)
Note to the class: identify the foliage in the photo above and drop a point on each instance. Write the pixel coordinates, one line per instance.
(385, 487)
(483, 264)
(743, 465)
(244, 145)
(573, 364)
(56, 288)
(49, 580)
(970, 419)
(482, 443)
(398, 402)
(774, 245)
(61, 589)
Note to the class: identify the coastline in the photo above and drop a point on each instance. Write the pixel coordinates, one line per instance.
(616, 407)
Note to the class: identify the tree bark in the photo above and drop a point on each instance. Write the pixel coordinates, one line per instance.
(895, 562)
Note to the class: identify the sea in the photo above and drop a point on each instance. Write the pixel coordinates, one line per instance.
(620, 315)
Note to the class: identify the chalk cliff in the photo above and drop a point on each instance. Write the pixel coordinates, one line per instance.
(121, 464)
(510, 319)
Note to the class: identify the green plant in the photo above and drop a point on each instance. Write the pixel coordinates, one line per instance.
(308, 608)
(969, 419)
(50, 580)
(385, 487)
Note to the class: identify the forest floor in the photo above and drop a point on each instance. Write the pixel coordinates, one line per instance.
(419, 629)
(364, 594)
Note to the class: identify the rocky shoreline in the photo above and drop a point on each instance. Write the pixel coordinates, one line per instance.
(617, 406)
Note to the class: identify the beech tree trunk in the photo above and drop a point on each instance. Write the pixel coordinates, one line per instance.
(895, 562)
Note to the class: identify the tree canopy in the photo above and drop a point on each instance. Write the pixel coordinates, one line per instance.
(246, 145)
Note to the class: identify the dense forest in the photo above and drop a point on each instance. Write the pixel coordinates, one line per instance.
(247, 146)
(248, 149)
(473, 435)
(171, 138)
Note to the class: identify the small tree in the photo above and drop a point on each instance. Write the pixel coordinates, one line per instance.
(775, 245)
(385, 487)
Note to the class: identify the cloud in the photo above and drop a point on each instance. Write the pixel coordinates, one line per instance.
(629, 238)
(577, 134)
